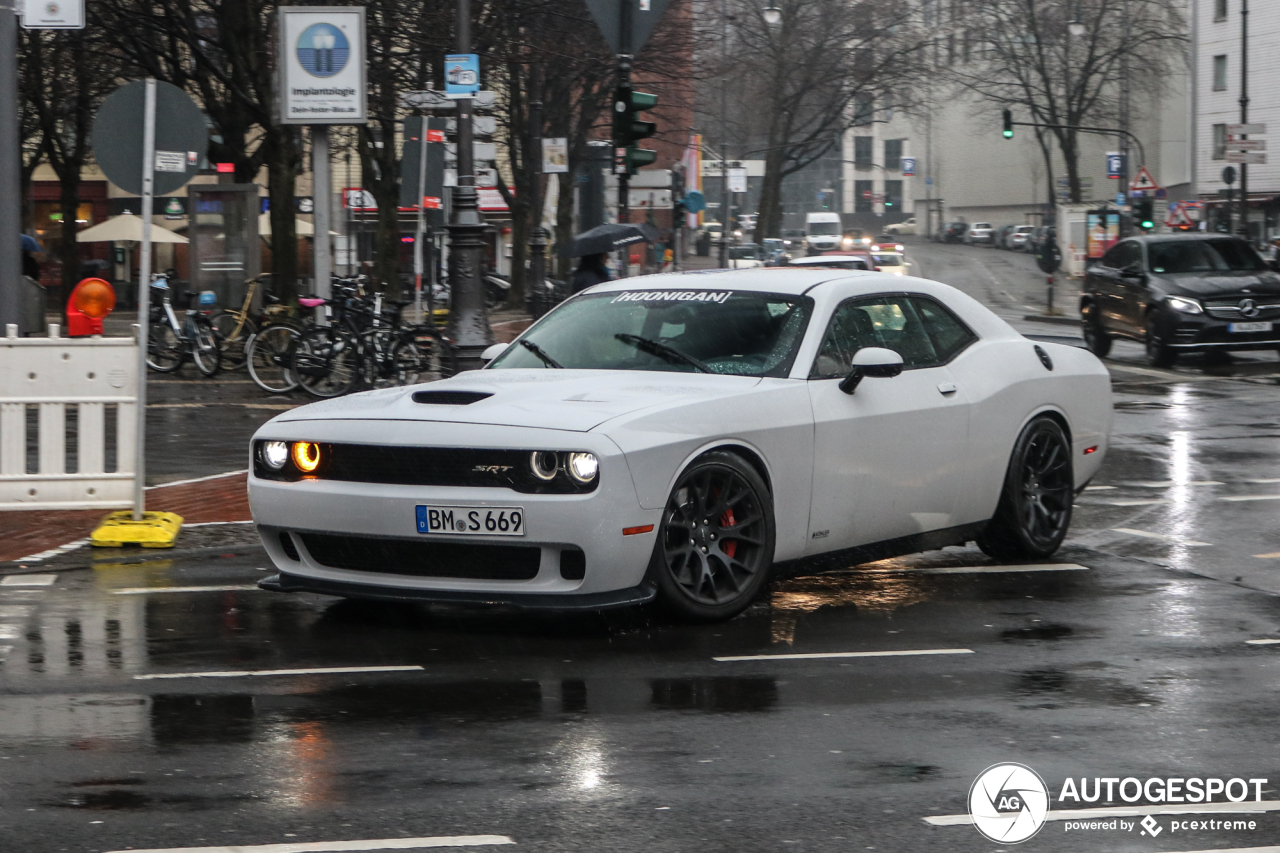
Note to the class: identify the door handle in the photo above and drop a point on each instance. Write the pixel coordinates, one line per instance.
(947, 387)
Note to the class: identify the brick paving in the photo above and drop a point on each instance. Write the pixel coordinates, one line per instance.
(221, 498)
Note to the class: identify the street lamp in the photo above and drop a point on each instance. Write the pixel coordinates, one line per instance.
(1076, 28)
(773, 15)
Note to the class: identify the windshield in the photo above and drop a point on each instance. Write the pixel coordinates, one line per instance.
(824, 229)
(744, 253)
(978, 225)
(1202, 256)
(728, 332)
(887, 260)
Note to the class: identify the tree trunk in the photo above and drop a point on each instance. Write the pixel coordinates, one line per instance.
(69, 251)
(280, 159)
(769, 223)
(1047, 152)
(1071, 158)
(380, 171)
(564, 223)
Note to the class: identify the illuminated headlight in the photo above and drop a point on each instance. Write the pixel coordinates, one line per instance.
(544, 464)
(866, 241)
(306, 455)
(848, 241)
(275, 454)
(1186, 306)
(583, 467)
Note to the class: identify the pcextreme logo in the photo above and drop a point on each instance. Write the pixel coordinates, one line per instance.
(1008, 803)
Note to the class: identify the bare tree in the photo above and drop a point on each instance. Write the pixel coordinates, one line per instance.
(1034, 65)
(797, 85)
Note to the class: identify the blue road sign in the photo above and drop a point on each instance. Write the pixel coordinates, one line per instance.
(1119, 198)
(928, 182)
(461, 75)
(1115, 164)
(908, 166)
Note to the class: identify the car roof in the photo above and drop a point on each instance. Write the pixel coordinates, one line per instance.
(1184, 238)
(787, 280)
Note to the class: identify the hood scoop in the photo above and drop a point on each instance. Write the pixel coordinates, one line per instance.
(449, 398)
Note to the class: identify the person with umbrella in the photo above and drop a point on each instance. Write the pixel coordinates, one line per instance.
(594, 246)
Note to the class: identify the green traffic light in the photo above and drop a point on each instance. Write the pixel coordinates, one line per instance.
(1008, 134)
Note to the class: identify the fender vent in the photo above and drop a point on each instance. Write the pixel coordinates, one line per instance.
(449, 398)
(1044, 358)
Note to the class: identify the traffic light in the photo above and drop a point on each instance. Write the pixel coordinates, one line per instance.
(629, 128)
(1143, 212)
(1008, 124)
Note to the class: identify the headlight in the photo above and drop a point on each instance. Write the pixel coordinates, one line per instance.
(275, 454)
(583, 467)
(306, 455)
(1186, 306)
(544, 464)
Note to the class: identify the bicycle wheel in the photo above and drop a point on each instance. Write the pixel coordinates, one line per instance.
(326, 361)
(234, 331)
(439, 357)
(203, 345)
(164, 348)
(403, 365)
(268, 354)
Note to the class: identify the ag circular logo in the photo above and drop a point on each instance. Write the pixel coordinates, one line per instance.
(1008, 803)
(323, 50)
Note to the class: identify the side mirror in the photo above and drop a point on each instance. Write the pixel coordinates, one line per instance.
(871, 361)
(492, 352)
(1133, 271)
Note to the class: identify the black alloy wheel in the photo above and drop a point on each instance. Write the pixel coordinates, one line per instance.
(1096, 339)
(1034, 512)
(715, 545)
(1159, 353)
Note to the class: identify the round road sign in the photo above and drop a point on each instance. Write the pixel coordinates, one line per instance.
(182, 137)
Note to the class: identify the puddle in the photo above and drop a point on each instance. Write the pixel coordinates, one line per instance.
(107, 801)
(714, 694)
(1037, 632)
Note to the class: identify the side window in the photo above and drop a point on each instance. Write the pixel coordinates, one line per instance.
(948, 334)
(1112, 257)
(1130, 253)
(878, 321)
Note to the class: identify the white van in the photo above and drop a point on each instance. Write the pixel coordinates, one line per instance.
(822, 231)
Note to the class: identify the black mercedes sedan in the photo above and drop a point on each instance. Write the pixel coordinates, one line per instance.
(1180, 293)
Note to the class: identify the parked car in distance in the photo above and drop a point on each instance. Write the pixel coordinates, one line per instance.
(822, 232)
(952, 232)
(836, 260)
(1017, 238)
(775, 251)
(1000, 237)
(906, 226)
(1184, 293)
(793, 239)
(979, 232)
(886, 243)
(890, 262)
(746, 257)
(1039, 235)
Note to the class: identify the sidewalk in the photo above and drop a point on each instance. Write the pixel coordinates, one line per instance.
(35, 533)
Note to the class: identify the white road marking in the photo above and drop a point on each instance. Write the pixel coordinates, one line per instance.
(29, 580)
(10, 632)
(4, 651)
(1176, 540)
(977, 570)
(1262, 642)
(817, 655)
(214, 523)
(335, 846)
(16, 611)
(198, 479)
(53, 552)
(1098, 488)
(244, 673)
(1135, 502)
(148, 590)
(1273, 555)
(1261, 480)
(1237, 498)
(1168, 484)
(1128, 811)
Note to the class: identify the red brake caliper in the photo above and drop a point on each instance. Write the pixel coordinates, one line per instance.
(729, 546)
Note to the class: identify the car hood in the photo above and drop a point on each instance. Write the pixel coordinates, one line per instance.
(1202, 284)
(573, 400)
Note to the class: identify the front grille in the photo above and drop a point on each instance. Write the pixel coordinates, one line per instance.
(430, 466)
(1228, 308)
(449, 398)
(424, 558)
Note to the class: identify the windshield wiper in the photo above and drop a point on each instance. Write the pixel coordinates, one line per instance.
(662, 350)
(540, 353)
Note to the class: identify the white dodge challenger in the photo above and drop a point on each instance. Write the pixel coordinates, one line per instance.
(681, 437)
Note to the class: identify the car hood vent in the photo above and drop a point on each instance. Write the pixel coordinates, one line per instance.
(449, 398)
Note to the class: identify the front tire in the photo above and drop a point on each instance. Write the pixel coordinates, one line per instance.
(1096, 339)
(1034, 512)
(715, 544)
(1159, 353)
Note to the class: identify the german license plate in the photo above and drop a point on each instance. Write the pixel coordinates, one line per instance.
(1250, 327)
(471, 520)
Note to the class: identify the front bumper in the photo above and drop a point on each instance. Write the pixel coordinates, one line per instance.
(1203, 333)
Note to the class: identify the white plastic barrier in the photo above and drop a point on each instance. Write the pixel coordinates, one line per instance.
(80, 382)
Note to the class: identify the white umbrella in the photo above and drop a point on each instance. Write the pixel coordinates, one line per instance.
(301, 227)
(126, 226)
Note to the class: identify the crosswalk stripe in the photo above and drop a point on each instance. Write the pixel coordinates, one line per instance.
(28, 580)
(818, 655)
(343, 846)
(1176, 540)
(246, 673)
(149, 590)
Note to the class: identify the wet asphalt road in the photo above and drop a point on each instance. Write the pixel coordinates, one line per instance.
(622, 732)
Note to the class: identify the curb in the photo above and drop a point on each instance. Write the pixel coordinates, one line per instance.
(1056, 321)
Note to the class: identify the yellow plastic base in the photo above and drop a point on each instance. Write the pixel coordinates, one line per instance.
(153, 530)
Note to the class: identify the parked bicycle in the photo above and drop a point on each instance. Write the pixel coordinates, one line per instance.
(236, 328)
(170, 342)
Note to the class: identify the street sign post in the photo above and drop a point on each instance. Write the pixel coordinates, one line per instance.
(1115, 165)
(1246, 130)
(1143, 181)
(62, 15)
(737, 180)
(461, 75)
(1248, 158)
(908, 167)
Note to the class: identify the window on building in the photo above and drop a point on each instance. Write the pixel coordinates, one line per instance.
(863, 109)
(892, 196)
(1219, 142)
(1220, 73)
(893, 154)
(1219, 10)
(862, 151)
(862, 196)
(951, 49)
(965, 45)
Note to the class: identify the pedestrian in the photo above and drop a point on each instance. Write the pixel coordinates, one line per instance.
(591, 270)
(30, 263)
(1273, 251)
